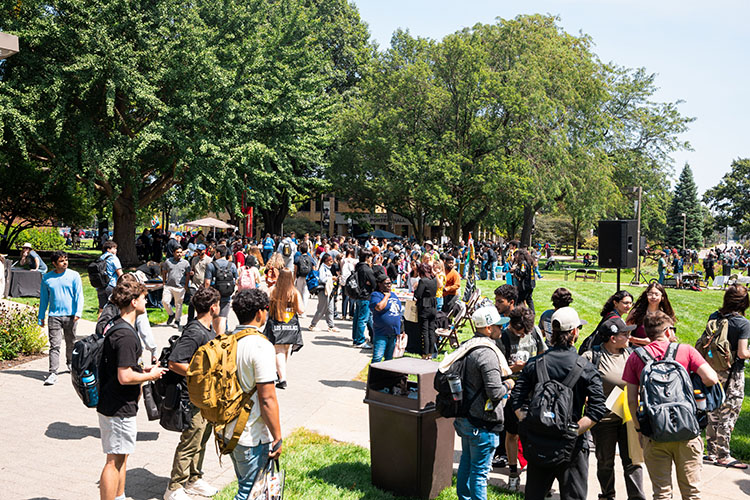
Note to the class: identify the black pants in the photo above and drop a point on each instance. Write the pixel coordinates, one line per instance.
(427, 328)
(572, 477)
(527, 297)
(607, 436)
(448, 301)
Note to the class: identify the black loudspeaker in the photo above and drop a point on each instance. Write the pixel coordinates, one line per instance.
(617, 240)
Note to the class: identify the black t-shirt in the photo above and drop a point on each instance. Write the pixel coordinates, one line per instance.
(739, 328)
(122, 348)
(193, 336)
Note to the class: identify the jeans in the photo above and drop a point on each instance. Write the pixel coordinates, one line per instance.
(362, 318)
(382, 347)
(247, 462)
(439, 303)
(477, 448)
(59, 326)
(347, 306)
(491, 270)
(267, 252)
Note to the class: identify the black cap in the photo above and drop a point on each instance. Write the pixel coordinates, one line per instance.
(615, 325)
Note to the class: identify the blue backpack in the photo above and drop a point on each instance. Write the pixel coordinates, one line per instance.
(313, 282)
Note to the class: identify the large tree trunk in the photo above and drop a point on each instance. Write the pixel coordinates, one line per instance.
(124, 215)
(273, 218)
(470, 227)
(528, 224)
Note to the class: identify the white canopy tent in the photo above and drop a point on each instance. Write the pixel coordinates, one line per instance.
(210, 222)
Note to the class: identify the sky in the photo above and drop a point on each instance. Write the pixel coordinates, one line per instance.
(700, 52)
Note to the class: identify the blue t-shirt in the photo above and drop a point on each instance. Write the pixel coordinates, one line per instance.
(388, 321)
(113, 264)
(268, 244)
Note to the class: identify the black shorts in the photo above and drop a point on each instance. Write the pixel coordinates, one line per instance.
(102, 294)
(511, 421)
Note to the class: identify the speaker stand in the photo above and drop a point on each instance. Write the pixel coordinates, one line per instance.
(618, 279)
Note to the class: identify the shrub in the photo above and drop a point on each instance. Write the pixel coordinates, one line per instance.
(41, 238)
(591, 243)
(19, 332)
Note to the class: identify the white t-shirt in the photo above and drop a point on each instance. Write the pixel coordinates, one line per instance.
(256, 363)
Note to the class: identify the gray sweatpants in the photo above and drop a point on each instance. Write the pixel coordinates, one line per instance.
(57, 327)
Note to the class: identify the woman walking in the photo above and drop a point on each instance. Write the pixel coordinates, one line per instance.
(653, 299)
(426, 309)
(325, 302)
(282, 327)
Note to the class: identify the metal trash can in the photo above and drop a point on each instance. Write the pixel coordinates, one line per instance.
(411, 445)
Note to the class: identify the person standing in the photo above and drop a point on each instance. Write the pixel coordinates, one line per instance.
(559, 361)
(325, 299)
(523, 273)
(654, 298)
(62, 292)
(198, 264)
(721, 421)
(221, 274)
(121, 376)
(268, 245)
(282, 327)
(174, 274)
(347, 268)
(659, 456)
(452, 284)
(288, 249)
(367, 284)
(303, 264)
(560, 298)
(386, 310)
(114, 271)
(256, 371)
(186, 477)
(662, 267)
(424, 295)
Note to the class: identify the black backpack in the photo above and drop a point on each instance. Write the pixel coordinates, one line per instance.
(550, 430)
(98, 273)
(667, 410)
(304, 265)
(444, 402)
(87, 354)
(352, 288)
(174, 407)
(224, 280)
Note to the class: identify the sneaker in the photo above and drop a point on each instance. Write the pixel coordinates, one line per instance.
(314, 328)
(363, 345)
(281, 384)
(178, 494)
(68, 365)
(499, 461)
(51, 379)
(333, 329)
(169, 322)
(200, 487)
(514, 483)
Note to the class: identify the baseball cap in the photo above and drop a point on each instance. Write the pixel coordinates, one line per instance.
(487, 316)
(428, 242)
(617, 325)
(201, 247)
(566, 319)
(27, 245)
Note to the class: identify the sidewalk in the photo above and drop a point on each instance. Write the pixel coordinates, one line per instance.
(51, 448)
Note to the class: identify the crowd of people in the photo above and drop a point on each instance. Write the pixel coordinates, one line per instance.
(268, 286)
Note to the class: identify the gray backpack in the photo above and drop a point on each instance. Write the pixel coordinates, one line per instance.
(667, 410)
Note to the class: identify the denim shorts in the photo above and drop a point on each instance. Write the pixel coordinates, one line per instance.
(118, 434)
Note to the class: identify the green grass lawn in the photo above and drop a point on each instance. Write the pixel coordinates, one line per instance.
(318, 467)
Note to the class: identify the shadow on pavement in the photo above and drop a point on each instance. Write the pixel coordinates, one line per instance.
(37, 374)
(339, 342)
(744, 485)
(141, 483)
(354, 384)
(65, 431)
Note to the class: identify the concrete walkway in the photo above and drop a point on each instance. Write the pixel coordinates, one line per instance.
(50, 447)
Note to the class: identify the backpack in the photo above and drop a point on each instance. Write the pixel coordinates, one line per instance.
(286, 249)
(246, 279)
(313, 282)
(224, 280)
(714, 344)
(667, 410)
(444, 402)
(214, 387)
(87, 355)
(304, 265)
(174, 411)
(550, 430)
(352, 288)
(98, 272)
(109, 313)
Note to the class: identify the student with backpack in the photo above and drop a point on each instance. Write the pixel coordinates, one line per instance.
(222, 274)
(609, 357)
(325, 292)
(475, 395)
(303, 264)
(724, 346)
(666, 419)
(288, 249)
(187, 466)
(121, 377)
(103, 273)
(548, 400)
(283, 328)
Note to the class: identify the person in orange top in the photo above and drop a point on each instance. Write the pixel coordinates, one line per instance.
(452, 283)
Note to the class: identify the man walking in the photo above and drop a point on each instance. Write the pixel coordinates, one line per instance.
(303, 264)
(367, 283)
(288, 248)
(659, 456)
(114, 271)
(221, 274)
(187, 466)
(256, 369)
(198, 264)
(62, 292)
(174, 273)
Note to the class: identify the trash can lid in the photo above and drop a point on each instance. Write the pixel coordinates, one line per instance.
(414, 366)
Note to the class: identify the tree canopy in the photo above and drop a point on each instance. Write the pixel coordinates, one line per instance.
(730, 198)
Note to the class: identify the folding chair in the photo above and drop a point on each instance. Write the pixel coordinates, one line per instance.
(580, 273)
(458, 317)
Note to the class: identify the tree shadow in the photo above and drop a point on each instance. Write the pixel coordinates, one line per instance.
(65, 431)
(744, 485)
(354, 384)
(339, 343)
(347, 475)
(141, 484)
(35, 374)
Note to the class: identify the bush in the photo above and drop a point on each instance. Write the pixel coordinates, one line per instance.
(42, 238)
(591, 243)
(19, 332)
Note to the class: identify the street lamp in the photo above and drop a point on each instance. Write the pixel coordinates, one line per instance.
(683, 230)
(8, 45)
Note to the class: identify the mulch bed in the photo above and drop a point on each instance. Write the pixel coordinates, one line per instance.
(10, 363)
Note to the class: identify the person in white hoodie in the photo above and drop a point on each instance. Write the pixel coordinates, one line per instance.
(325, 304)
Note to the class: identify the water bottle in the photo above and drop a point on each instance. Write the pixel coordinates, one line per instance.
(700, 399)
(710, 353)
(454, 381)
(89, 384)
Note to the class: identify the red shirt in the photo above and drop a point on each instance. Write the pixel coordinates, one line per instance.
(687, 356)
(239, 259)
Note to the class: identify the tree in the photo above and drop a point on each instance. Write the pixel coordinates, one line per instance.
(685, 201)
(730, 198)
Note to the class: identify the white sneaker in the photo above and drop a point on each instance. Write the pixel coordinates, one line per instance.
(178, 494)
(201, 487)
(514, 483)
(51, 379)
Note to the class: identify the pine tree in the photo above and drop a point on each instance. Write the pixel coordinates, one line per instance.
(685, 201)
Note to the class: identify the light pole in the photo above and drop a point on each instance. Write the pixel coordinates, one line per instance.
(636, 278)
(684, 226)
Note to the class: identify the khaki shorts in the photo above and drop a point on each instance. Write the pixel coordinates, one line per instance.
(118, 434)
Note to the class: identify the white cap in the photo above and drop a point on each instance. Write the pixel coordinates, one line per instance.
(566, 319)
(27, 245)
(487, 316)
(428, 242)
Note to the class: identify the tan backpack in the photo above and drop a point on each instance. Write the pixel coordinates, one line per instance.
(214, 387)
(714, 344)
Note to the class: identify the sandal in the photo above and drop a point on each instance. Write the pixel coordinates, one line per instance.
(709, 459)
(734, 464)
